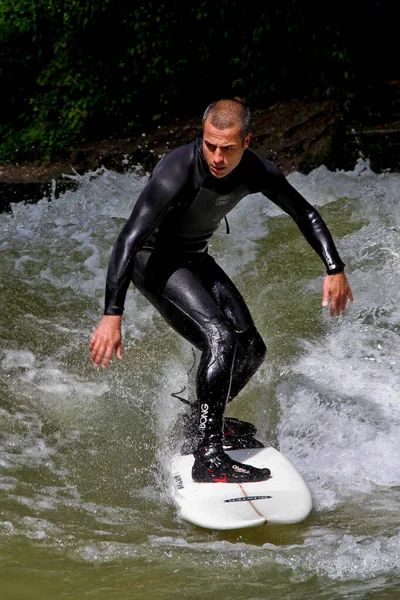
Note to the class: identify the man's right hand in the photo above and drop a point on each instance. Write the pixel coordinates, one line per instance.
(105, 339)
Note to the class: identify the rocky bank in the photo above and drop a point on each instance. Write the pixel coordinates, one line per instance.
(297, 135)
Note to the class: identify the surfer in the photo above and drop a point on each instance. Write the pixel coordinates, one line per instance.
(163, 250)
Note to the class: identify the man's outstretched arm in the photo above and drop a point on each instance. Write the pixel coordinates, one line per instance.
(169, 178)
(336, 288)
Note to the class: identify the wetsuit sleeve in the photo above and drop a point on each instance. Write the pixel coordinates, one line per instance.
(165, 185)
(307, 218)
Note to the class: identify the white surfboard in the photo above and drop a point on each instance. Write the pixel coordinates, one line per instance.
(284, 498)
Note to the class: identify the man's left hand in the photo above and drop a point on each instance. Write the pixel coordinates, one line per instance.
(337, 290)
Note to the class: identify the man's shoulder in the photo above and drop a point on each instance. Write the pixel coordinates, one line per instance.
(264, 174)
(183, 154)
(258, 160)
(177, 169)
(182, 164)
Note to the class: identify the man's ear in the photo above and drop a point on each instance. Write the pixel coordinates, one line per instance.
(246, 140)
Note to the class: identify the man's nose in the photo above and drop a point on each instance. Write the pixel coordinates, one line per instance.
(218, 156)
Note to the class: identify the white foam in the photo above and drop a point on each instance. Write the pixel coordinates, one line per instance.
(337, 398)
(49, 376)
(338, 556)
(342, 556)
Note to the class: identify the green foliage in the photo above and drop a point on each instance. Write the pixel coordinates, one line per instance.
(85, 69)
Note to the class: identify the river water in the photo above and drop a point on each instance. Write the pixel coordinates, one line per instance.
(86, 508)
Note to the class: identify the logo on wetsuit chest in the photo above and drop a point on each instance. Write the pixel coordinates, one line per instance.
(222, 200)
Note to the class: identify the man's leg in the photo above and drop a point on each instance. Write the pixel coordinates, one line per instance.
(176, 288)
(250, 350)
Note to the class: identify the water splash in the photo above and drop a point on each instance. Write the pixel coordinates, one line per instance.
(84, 452)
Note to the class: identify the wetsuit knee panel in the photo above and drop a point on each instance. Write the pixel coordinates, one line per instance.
(221, 337)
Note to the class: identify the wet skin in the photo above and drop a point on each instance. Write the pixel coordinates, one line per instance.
(223, 148)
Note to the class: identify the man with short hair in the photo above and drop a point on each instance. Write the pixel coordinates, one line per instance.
(163, 250)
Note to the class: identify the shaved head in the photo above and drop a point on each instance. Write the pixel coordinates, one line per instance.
(224, 114)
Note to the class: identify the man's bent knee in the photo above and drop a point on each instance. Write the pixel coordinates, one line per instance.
(252, 344)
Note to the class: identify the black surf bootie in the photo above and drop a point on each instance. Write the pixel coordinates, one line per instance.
(231, 425)
(238, 427)
(213, 465)
(237, 434)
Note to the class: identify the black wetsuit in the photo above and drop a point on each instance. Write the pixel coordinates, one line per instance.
(163, 250)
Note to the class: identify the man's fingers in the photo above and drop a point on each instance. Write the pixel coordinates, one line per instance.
(334, 308)
(92, 342)
(97, 347)
(105, 339)
(97, 353)
(101, 350)
(325, 292)
(339, 305)
(106, 358)
(336, 290)
(93, 347)
(107, 353)
(102, 355)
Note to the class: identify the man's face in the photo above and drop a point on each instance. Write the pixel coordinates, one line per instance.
(223, 148)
